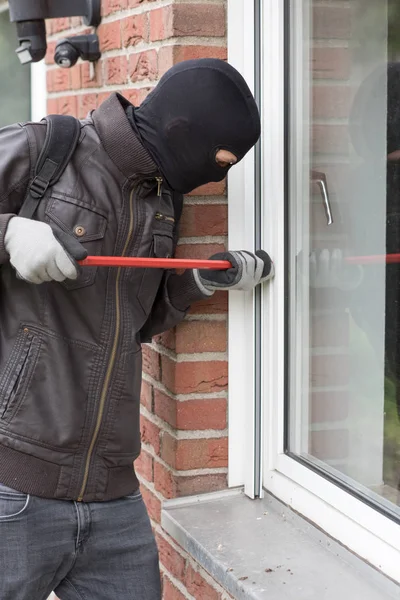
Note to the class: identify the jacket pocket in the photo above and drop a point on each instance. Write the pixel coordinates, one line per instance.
(17, 373)
(162, 246)
(49, 404)
(86, 223)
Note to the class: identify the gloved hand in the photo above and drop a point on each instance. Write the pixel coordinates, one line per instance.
(328, 269)
(247, 271)
(39, 254)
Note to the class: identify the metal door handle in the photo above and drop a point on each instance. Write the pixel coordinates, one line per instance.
(320, 179)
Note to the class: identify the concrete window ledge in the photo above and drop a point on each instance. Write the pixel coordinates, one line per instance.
(261, 549)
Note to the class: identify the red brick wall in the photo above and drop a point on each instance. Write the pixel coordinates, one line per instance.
(184, 394)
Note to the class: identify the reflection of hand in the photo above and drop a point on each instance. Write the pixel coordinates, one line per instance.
(328, 269)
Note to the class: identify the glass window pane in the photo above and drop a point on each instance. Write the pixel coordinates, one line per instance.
(15, 83)
(344, 213)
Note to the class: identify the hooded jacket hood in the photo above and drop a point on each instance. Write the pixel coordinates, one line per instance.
(197, 108)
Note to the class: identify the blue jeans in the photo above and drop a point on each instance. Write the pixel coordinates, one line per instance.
(81, 551)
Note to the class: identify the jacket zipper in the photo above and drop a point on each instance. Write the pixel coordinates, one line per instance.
(113, 356)
(161, 217)
(159, 182)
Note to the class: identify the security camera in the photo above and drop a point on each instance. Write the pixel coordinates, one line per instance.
(30, 17)
(32, 41)
(68, 50)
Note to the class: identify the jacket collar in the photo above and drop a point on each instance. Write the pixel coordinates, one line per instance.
(120, 141)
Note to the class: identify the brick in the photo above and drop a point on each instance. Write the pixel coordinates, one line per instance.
(111, 6)
(330, 445)
(116, 70)
(161, 23)
(170, 592)
(52, 106)
(200, 484)
(50, 82)
(144, 465)
(167, 339)
(198, 250)
(191, 414)
(171, 55)
(143, 65)
(146, 396)
(152, 503)
(134, 30)
(49, 58)
(88, 80)
(86, 103)
(216, 304)
(164, 481)
(331, 63)
(194, 377)
(75, 77)
(202, 219)
(171, 485)
(151, 362)
(199, 20)
(67, 105)
(330, 369)
(215, 188)
(199, 587)
(331, 102)
(110, 35)
(171, 560)
(136, 96)
(201, 336)
(60, 80)
(184, 455)
(329, 407)
(332, 22)
(150, 433)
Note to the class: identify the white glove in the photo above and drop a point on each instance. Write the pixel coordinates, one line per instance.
(37, 255)
(247, 271)
(328, 269)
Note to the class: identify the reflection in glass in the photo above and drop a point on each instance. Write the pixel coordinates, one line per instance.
(344, 165)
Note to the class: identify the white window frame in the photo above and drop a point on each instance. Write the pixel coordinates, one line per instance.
(371, 535)
(38, 91)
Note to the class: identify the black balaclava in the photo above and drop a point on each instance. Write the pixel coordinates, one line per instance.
(197, 108)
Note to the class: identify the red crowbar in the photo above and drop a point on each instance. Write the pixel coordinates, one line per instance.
(373, 259)
(154, 263)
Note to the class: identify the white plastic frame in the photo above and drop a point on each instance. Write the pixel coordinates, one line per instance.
(241, 194)
(368, 533)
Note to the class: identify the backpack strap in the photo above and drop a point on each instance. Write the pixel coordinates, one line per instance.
(62, 136)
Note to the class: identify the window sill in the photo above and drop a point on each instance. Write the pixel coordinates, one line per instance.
(261, 549)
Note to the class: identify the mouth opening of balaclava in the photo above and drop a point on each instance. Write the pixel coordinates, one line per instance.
(197, 108)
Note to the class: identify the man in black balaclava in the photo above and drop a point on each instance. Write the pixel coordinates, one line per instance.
(199, 121)
(198, 108)
(70, 348)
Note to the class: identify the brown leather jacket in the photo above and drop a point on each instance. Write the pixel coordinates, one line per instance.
(70, 353)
